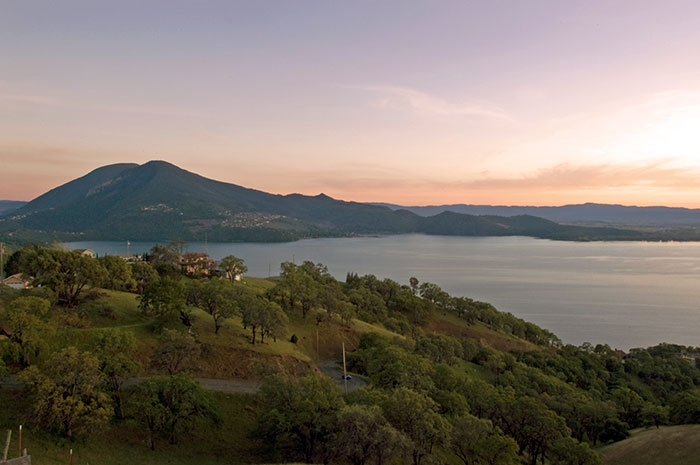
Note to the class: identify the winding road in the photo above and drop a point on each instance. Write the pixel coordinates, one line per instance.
(238, 386)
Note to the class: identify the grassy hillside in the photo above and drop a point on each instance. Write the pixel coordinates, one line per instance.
(123, 444)
(231, 356)
(460, 361)
(668, 445)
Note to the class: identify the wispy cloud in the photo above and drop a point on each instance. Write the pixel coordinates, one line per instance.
(569, 177)
(560, 178)
(426, 103)
(52, 101)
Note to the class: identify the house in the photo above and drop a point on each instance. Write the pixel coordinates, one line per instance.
(86, 252)
(197, 263)
(17, 281)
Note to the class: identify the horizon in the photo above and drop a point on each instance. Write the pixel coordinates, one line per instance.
(369, 202)
(540, 104)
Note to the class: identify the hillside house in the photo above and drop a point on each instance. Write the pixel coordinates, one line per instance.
(197, 263)
(86, 252)
(17, 281)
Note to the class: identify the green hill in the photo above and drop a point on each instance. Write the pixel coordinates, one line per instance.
(159, 201)
(668, 445)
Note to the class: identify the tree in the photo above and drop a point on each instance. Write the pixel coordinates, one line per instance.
(143, 275)
(275, 323)
(175, 352)
(685, 407)
(654, 415)
(298, 286)
(23, 326)
(478, 442)
(66, 393)
(258, 313)
(114, 349)
(165, 298)
(413, 282)
(217, 298)
(533, 426)
(118, 275)
(171, 405)
(304, 412)
(67, 273)
(165, 260)
(416, 416)
(364, 433)
(568, 451)
(233, 267)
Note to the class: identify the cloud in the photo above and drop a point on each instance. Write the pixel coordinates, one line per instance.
(567, 177)
(51, 101)
(562, 178)
(432, 105)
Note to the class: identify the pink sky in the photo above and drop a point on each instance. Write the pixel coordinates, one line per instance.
(503, 102)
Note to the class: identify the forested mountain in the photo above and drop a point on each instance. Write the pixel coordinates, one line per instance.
(583, 214)
(159, 201)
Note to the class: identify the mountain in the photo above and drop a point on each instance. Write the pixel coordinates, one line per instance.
(583, 214)
(159, 201)
(6, 206)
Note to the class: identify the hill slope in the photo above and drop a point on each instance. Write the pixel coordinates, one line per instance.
(159, 201)
(668, 445)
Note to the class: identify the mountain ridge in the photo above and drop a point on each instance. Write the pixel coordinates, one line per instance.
(159, 201)
(588, 213)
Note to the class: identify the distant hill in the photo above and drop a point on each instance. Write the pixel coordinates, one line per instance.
(583, 214)
(159, 201)
(6, 206)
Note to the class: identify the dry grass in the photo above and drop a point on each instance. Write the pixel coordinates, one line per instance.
(669, 445)
(451, 325)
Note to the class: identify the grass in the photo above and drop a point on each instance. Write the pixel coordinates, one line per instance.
(124, 443)
(668, 445)
(451, 325)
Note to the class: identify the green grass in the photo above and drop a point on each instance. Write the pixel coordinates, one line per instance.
(668, 445)
(125, 443)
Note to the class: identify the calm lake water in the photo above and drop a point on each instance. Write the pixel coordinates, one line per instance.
(626, 294)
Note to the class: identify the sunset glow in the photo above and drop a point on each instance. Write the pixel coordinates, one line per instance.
(537, 103)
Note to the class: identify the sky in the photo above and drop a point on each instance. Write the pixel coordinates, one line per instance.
(410, 102)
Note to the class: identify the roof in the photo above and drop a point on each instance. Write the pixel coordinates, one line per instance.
(17, 278)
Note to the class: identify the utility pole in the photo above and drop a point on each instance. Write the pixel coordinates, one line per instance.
(345, 371)
(2, 260)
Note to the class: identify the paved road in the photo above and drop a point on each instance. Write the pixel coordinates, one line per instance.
(241, 386)
(335, 372)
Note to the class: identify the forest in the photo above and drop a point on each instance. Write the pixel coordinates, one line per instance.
(121, 347)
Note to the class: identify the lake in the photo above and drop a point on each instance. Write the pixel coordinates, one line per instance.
(625, 294)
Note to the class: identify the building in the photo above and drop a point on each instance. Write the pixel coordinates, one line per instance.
(17, 281)
(86, 252)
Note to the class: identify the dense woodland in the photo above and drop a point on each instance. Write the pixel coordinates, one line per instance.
(435, 394)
